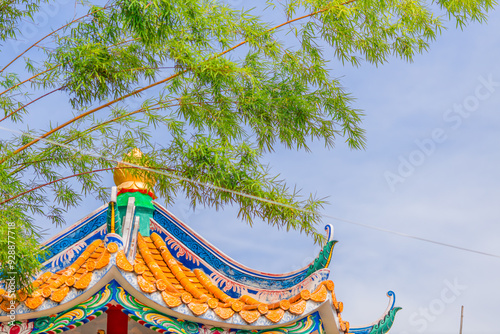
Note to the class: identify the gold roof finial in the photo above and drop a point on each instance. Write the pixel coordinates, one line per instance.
(129, 179)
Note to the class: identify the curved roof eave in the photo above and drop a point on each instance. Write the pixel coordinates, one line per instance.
(185, 237)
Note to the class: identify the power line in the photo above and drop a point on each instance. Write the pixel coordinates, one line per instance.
(239, 193)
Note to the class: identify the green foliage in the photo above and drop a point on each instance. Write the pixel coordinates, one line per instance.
(11, 12)
(20, 254)
(219, 89)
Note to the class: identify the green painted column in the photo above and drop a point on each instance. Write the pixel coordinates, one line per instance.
(143, 209)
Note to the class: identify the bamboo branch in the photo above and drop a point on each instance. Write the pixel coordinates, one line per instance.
(29, 79)
(51, 33)
(68, 177)
(7, 4)
(137, 91)
(33, 101)
(25, 165)
(39, 98)
(56, 66)
(286, 23)
(52, 182)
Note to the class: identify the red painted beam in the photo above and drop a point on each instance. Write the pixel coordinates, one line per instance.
(117, 320)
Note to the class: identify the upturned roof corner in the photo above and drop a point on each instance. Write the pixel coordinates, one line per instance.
(133, 252)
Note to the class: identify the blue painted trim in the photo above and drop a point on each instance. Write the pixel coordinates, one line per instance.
(193, 261)
(392, 296)
(75, 234)
(384, 323)
(221, 264)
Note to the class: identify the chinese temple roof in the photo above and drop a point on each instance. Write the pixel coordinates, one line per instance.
(135, 252)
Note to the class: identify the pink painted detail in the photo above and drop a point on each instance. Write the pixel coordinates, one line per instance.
(215, 250)
(63, 258)
(212, 330)
(265, 295)
(229, 284)
(155, 227)
(19, 328)
(182, 251)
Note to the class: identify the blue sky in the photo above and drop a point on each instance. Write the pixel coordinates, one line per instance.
(431, 169)
(440, 115)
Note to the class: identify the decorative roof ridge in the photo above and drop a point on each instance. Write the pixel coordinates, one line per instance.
(219, 252)
(230, 286)
(195, 290)
(112, 291)
(59, 285)
(325, 255)
(191, 240)
(103, 208)
(144, 268)
(68, 243)
(296, 306)
(384, 323)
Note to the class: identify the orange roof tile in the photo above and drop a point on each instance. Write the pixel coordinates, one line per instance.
(157, 270)
(55, 286)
